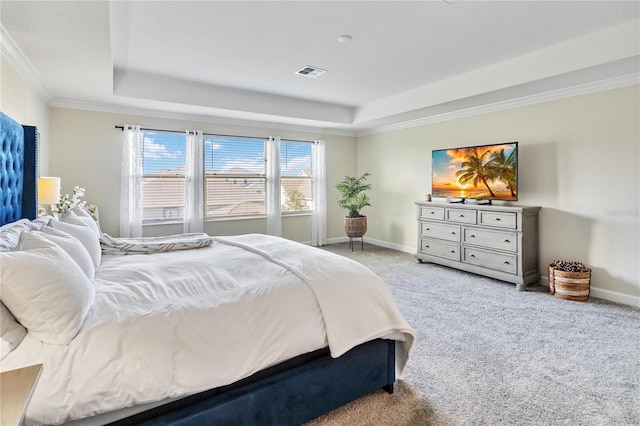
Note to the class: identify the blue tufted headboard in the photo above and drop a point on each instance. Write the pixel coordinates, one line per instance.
(18, 171)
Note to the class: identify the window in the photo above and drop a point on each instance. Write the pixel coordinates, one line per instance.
(189, 177)
(296, 176)
(163, 168)
(235, 176)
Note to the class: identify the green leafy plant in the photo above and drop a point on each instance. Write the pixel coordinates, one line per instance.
(352, 194)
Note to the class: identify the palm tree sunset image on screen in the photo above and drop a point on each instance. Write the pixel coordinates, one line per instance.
(487, 172)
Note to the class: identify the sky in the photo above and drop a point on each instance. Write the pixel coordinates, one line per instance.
(166, 151)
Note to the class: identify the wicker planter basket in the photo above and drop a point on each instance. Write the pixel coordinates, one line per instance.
(569, 285)
(355, 227)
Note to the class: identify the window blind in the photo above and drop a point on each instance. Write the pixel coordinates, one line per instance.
(235, 176)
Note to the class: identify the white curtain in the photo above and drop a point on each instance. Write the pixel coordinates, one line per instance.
(274, 213)
(131, 183)
(194, 183)
(319, 214)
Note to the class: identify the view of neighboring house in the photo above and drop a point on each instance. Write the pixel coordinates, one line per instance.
(235, 191)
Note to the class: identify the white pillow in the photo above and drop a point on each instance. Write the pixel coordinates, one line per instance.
(45, 289)
(37, 223)
(86, 235)
(12, 332)
(79, 216)
(68, 243)
(10, 234)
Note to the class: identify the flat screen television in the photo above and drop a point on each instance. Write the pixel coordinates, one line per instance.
(481, 172)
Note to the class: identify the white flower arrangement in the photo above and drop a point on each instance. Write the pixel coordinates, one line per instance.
(67, 203)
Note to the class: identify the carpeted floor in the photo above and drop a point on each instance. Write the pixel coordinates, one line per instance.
(487, 354)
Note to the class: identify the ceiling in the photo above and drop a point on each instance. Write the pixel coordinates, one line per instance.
(237, 60)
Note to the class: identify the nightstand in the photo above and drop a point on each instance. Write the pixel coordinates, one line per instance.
(16, 388)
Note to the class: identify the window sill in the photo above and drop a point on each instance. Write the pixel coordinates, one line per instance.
(162, 223)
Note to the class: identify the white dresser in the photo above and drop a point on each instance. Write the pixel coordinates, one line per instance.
(496, 241)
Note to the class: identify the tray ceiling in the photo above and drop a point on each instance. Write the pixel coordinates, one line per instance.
(238, 60)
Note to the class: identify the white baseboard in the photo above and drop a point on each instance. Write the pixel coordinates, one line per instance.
(614, 296)
(337, 240)
(405, 249)
(410, 250)
(611, 296)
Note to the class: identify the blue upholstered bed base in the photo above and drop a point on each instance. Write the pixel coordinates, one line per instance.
(285, 395)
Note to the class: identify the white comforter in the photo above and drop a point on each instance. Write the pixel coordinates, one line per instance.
(171, 324)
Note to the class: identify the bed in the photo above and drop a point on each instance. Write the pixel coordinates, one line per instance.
(249, 329)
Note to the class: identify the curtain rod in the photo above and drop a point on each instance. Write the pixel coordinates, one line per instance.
(154, 130)
(212, 134)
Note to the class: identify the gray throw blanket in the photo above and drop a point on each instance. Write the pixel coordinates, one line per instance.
(148, 245)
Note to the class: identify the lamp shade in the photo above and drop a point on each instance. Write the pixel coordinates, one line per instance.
(48, 190)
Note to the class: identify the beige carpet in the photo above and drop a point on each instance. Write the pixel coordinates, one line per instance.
(402, 408)
(487, 354)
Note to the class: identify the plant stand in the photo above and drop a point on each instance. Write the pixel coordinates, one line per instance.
(355, 227)
(361, 242)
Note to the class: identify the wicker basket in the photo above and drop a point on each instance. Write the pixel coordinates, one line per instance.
(355, 227)
(569, 285)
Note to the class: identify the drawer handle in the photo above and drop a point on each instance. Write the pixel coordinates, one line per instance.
(505, 241)
(453, 232)
(506, 262)
(427, 245)
(496, 219)
(472, 236)
(452, 251)
(472, 255)
(428, 229)
(432, 212)
(460, 215)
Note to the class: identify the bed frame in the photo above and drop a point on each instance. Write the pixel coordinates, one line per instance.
(290, 393)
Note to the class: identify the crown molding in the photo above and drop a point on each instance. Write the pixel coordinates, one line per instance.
(581, 89)
(202, 118)
(25, 69)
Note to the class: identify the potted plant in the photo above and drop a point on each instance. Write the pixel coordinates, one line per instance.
(353, 197)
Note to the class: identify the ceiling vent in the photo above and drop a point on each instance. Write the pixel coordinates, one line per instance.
(310, 71)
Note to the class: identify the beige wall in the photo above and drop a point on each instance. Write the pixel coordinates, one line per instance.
(579, 160)
(86, 150)
(20, 102)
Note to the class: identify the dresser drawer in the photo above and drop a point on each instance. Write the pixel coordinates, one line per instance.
(487, 259)
(434, 213)
(491, 239)
(440, 249)
(498, 219)
(461, 216)
(498, 241)
(440, 230)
